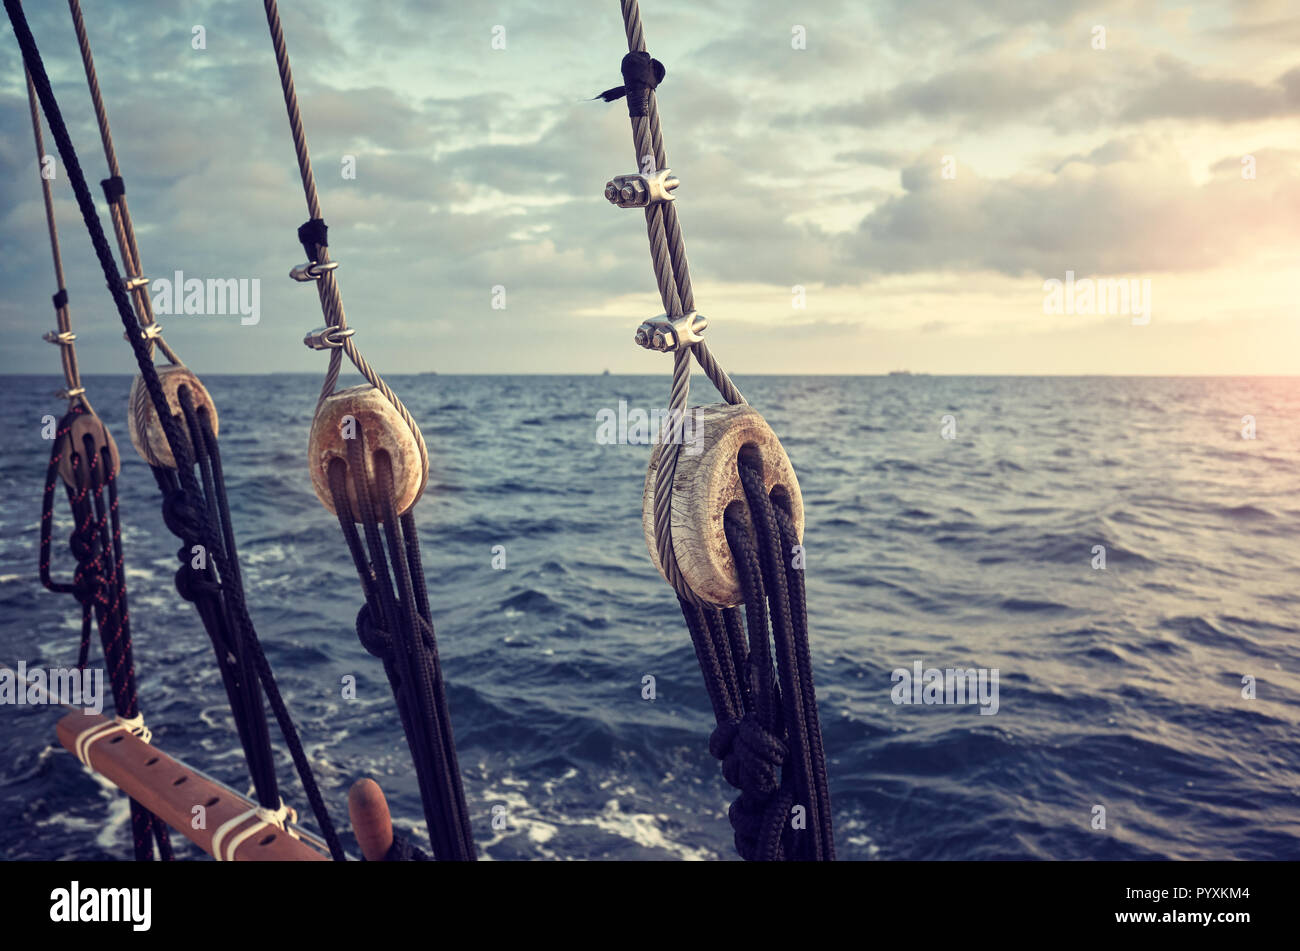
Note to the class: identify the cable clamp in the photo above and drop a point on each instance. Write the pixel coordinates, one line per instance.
(666, 334)
(131, 283)
(311, 271)
(63, 338)
(146, 333)
(640, 191)
(327, 338)
(70, 393)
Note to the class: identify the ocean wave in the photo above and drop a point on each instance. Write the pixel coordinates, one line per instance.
(1121, 686)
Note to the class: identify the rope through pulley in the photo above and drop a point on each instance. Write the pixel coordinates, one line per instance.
(735, 502)
(174, 426)
(84, 457)
(369, 465)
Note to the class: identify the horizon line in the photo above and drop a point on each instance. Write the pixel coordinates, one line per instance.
(884, 375)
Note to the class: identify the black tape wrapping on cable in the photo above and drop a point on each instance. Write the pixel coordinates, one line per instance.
(768, 735)
(641, 76)
(114, 189)
(99, 585)
(223, 611)
(395, 625)
(314, 235)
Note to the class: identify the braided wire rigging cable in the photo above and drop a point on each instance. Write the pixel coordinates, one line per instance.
(116, 190)
(220, 602)
(395, 623)
(120, 213)
(668, 258)
(99, 583)
(64, 336)
(318, 252)
(647, 135)
(768, 735)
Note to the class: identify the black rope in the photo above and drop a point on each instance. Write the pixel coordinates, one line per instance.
(768, 735)
(716, 660)
(99, 583)
(789, 538)
(216, 591)
(235, 633)
(202, 578)
(395, 625)
(751, 747)
(772, 560)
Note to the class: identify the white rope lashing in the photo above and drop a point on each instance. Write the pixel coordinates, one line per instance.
(224, 851)
(92, 734)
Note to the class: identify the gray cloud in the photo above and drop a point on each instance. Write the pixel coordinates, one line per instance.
(478, 167)
(1069, 94)
(1177, 91)
(1128, 206)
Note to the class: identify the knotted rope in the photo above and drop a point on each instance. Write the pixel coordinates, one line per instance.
(222, 609)
(99, 582)
(395, 623)
(395, 626)
(768, 736)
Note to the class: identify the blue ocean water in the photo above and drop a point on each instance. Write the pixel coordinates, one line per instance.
(1120, 687)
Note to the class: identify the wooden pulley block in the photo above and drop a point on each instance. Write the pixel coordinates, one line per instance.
(705, 483)
(84, 425)
(152, 443)
(363, 412)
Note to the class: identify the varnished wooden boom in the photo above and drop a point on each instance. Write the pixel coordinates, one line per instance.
(170, 790)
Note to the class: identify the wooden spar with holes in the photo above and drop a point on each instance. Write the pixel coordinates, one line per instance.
(170, 790)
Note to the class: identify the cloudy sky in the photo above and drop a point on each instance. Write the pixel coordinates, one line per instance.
(920, 169)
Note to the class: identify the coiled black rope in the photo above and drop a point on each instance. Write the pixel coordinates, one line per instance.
(217, 591)
(395, 625)
(98, 584)
(766, 718)
(768, 735)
